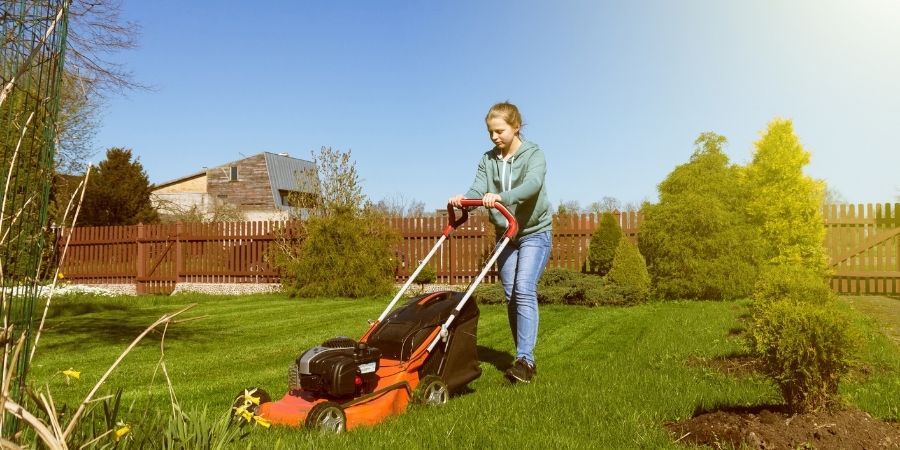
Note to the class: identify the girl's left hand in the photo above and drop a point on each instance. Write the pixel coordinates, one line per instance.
(490, 199)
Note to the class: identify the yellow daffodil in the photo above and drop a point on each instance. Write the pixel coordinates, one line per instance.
(72, 374)
(61, 276)
(248, 396)
(122, 431)
(262, 422)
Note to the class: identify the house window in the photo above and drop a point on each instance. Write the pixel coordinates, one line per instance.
(233, 173)
(298, 199)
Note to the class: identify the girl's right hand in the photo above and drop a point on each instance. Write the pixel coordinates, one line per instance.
(456, 200)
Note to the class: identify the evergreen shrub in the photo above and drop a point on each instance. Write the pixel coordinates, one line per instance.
(345, 254)
(603, 245)
(806, 348)
(792, 282)
(629, 271)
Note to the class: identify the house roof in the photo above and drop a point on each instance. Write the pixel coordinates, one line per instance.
(289, 174)
(285, 173)
(178, 180)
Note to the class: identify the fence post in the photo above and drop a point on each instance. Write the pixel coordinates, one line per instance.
(141, 267)
(179, 253)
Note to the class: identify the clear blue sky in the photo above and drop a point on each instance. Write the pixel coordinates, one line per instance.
(614, 92)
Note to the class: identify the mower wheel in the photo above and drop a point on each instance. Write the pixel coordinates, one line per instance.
(431, 391)
(242, 400)
(327, 417)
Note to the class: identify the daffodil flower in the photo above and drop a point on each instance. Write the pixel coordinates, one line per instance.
(247, 415)
(248, 396)
(122, 431)
(72, 374)
(262, 422)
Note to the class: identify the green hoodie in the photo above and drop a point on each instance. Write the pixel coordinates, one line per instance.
(520, 182)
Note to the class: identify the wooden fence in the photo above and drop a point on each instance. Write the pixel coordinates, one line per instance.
(157, 257)
(863, 245)
(862, 241)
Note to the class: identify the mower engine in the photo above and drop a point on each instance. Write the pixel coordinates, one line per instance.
(340, 367)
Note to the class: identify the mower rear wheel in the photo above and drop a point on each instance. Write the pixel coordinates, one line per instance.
(431, 391)
(327, 417)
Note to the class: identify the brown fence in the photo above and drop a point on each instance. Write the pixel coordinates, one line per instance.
(862, 241)
(863, 244)
(157, 257)
(462, 258)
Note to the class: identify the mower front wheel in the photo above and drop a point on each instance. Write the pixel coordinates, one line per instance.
(431, 391)
(327, 417)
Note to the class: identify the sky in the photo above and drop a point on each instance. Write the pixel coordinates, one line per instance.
(615, 93)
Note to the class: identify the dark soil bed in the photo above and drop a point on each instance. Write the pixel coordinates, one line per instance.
(771, 428)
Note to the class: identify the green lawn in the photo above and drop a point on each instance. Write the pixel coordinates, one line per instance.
(608, 377)
(885, 311)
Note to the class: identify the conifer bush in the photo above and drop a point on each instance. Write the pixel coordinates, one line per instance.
(806, 348)
(792, 282)
(346, 254)
(603, 245)
(629, 271)
(697, 240)
(426, 276)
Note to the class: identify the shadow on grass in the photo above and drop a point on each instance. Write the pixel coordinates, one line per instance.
(500, 360)
(61, 309)
(113, 330)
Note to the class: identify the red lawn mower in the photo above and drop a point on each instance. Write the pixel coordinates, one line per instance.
(420, 352)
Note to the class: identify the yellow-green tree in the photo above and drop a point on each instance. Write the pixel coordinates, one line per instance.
(697, 241)
(784, 203)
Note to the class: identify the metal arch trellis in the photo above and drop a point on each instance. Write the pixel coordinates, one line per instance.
(31, 66)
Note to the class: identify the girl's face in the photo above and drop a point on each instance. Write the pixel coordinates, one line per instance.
(501, 133)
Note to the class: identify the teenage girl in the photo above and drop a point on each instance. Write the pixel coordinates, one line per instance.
(512, 173)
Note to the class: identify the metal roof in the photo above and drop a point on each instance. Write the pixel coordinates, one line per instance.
(290, 174)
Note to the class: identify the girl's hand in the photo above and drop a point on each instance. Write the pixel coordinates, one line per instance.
(490, 199)
(456, 200)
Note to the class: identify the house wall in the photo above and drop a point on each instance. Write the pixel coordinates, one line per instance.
(251, 191)
(193, 185)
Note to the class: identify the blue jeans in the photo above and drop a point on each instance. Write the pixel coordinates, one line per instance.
(521, 265)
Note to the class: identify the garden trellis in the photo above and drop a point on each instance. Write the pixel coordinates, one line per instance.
(31, 67)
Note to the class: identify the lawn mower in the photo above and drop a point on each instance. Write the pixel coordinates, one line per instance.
(420, 352)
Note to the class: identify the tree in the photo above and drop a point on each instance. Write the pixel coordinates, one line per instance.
(118, 193)
(398, 205)
(568, 208)
(604, 241)
(94, 32)
(346, 247)
(697, 240)
(784, 203)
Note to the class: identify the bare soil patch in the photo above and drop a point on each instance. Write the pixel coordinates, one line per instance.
(772, 428)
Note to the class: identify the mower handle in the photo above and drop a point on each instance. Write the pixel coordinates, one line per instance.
(512, 226)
